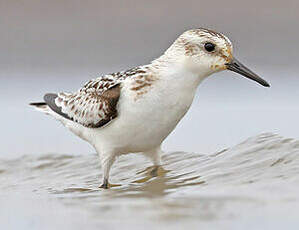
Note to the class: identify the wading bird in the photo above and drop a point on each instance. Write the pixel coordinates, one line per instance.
(135, 110)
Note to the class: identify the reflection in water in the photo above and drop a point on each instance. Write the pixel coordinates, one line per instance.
(259, 173)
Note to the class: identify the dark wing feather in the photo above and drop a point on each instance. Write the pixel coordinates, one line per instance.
(49, 98)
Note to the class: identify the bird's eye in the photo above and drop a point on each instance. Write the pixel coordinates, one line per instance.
(210, 47)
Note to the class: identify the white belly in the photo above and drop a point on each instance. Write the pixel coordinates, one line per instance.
(144, 122)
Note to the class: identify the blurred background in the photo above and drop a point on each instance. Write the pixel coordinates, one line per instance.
(58, 45)
(53, 46)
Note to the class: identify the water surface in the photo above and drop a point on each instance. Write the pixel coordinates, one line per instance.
(254, 184)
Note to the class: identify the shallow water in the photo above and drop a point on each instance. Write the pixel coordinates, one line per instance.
(252, 185)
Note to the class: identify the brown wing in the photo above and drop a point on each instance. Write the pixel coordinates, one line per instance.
(93, 106)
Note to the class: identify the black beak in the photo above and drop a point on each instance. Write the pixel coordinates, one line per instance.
(238, 67)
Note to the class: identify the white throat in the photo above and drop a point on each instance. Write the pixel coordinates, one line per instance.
(174, 69)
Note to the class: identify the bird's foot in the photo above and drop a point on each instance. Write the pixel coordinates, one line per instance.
(105, 184)
(154, 171)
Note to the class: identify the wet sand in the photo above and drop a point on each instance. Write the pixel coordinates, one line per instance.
(252, 185)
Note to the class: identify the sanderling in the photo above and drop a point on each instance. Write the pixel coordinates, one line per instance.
(135, 110)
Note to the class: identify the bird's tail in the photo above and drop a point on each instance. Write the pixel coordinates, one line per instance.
(40, 106)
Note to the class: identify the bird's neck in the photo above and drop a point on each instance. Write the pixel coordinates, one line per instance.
(171, 68)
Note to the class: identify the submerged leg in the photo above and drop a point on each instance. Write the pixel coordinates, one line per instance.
(155, 156)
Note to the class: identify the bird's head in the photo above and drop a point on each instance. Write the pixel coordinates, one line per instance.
(204, 52)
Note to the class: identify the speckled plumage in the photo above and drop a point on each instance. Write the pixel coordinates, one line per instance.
(94, 105)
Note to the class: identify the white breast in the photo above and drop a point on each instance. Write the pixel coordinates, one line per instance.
(145, 121)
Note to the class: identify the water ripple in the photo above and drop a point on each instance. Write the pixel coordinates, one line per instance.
(262, 168)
